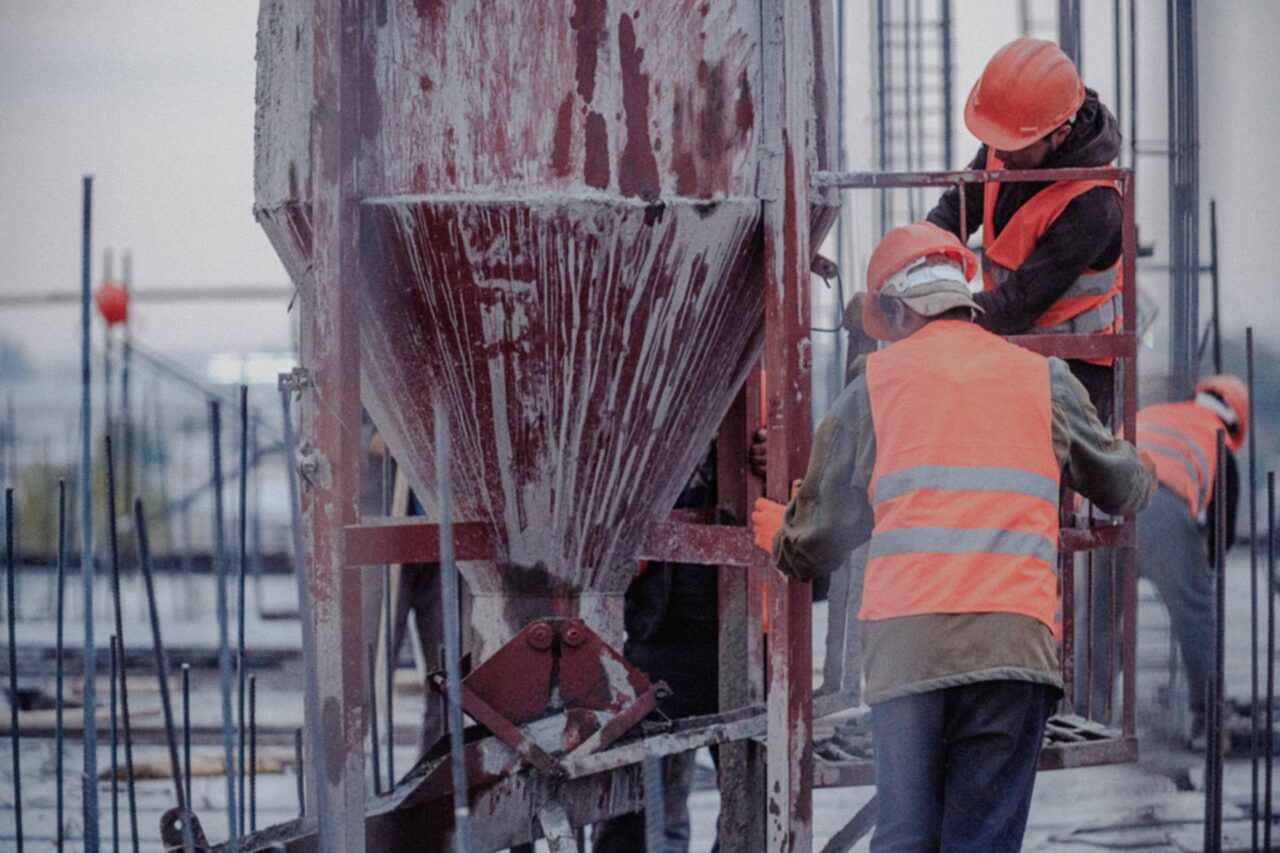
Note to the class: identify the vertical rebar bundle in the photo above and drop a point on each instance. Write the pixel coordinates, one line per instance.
(1268, 812)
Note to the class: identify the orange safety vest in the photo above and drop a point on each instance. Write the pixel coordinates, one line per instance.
(1182, 440)
(1092, 302)
(965, 484)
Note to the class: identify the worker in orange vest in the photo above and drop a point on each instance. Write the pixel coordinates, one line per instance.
(1051, 251)
(945, 453)
(1182, 439)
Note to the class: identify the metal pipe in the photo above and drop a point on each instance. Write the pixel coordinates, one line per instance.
(89, 777)
(61, 610)
(253, 753)
(162, 671)
(311, 688)
(14, 733)
(1255, 729)
(452, 639)
(119, 615)
(1133, 83)
(115, 754)
(186, 729)
(374, 747)
(298, 765)
(242, 545)
(224, 644)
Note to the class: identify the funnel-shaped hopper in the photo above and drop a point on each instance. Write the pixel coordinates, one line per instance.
(559, 232)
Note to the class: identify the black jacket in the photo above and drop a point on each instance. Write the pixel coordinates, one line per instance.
(1086, 236)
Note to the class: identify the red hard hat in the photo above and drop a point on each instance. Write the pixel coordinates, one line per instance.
(1232, 391)
(113, 303)
(900, 247)
(1028, 89)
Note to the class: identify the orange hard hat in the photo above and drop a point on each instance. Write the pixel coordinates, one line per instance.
(1232, 391)
(900, 247)
(113, 303)
(1028, 89)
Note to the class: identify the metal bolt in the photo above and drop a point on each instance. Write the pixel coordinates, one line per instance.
(574, 636)
(539, 636)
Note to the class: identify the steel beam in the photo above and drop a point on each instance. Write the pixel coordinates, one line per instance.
(786, 31)
(331, 425)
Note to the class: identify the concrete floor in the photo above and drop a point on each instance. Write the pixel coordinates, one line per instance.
(1137, 806)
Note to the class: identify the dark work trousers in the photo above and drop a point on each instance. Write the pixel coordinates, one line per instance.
(1171, 554)
(955, 767)
(687, 660)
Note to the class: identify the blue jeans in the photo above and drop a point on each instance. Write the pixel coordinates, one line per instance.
(955, 767)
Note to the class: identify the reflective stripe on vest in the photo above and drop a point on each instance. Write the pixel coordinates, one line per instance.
(1182, 441)
(965, 504)
(1092, 302)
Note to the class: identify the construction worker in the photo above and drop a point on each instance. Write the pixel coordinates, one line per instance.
(1051, 251)
(945, 454)
(1182, 440)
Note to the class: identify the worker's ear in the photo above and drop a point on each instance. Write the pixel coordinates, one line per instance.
(1060, 135)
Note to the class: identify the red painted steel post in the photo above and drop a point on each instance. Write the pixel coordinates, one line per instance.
(787, 57)
(741, 675)
(331, 426)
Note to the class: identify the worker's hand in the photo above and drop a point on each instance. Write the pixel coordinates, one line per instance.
(760, 453)
(853, 313)
(766, 521)
(1150, 465)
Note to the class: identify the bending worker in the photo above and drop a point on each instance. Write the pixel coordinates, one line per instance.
(1051, 251)
(1182, 440)
(946, 451)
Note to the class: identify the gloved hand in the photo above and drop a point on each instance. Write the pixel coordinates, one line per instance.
(1150, 465)
(760, 453)
(766, 521)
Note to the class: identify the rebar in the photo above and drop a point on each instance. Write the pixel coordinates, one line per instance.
(1268, 812)
(14, 734)
(162, 671)
(186, 728)
(374, 747)
(242, 564)
(115, 753)
(123, 663)
(61, 610)
(299, 770)
(1213, 285)
(1217, 708)
(452, 644)
(89, 778)
(224, 640)
(253, 753)
(1255, 729)
(387, 634)
(1184, 194)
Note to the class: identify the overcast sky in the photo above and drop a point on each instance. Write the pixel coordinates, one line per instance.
(156, 100)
